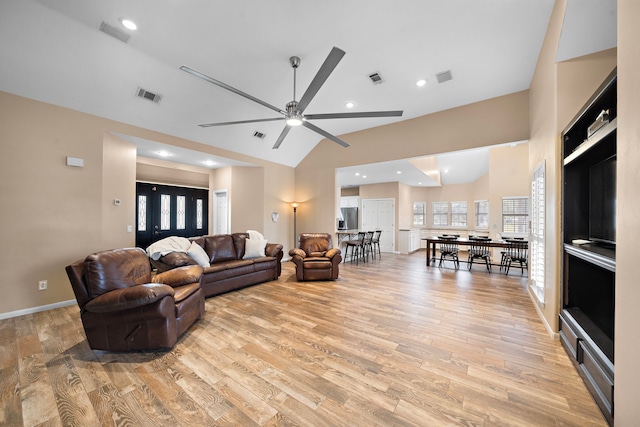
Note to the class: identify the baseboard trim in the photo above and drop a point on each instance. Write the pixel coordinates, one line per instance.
(38, 309)
(553, 334)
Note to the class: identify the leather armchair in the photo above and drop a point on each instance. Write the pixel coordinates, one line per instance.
(316, 259)
(124, 308)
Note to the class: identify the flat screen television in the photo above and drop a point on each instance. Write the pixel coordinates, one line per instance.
(602, 202)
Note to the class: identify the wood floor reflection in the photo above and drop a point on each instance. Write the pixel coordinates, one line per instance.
(391, 343)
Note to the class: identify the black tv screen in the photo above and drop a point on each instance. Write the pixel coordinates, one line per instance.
(602, 201)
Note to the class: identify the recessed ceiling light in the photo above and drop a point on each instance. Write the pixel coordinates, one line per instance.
(163, 153)
(421, 82)
(357, 173)
(419, 183)
(446, 171)
(129, 24)
(209, 162)
(398, 172)
(350, 104)
(364, 176)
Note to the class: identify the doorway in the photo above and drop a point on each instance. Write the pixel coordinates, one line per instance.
(165, 210)
(221, 212)
(379, 214)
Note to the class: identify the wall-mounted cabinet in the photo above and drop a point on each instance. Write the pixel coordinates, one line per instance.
(589, 262)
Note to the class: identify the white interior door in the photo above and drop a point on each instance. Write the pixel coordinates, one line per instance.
(379, 214)
(221, 212)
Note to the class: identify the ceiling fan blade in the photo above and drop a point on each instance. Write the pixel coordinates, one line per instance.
(323, 73)
(354, 115)
(324, 133)
(208, 125)
(284, 133)
(230, 88)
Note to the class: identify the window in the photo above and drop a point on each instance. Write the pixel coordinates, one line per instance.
(537, 232)
(165, 212)
(515, 215)
(419, 213)
(142, 213)
(199, 214)
(459, 214)
(440, 213)
(181, 213)
(482, 213)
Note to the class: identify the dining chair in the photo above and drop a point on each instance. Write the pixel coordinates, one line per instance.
(357, 247)
(518, 252)
(449, 249)
(375, 243)
(503, 253)
(479, 249)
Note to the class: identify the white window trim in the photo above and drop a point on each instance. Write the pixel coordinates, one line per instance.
(537, 240)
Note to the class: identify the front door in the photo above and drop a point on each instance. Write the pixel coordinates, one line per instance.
(165, 210)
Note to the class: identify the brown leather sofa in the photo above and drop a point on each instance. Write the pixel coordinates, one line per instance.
(124, 308)
(315, 258)
(228, 269)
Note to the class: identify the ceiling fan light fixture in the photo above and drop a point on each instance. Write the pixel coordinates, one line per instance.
(294, 120)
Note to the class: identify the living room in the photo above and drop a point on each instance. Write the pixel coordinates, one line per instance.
(54, 214)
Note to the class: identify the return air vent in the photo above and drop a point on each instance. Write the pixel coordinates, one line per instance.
(142, 93)
(444, 76)
(376, 78)
(114, 32)
(259, 135)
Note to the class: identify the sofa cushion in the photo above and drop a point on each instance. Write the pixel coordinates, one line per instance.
(116, 269)
(177, 259)
(264, 263)
(239, 242)
(220, 248)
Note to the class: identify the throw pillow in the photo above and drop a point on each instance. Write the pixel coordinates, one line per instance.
(254, 248)
(196, 252)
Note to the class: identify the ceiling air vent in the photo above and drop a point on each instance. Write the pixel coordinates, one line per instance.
(142, 93)
(259, 135)
(114, 32)
(444, 76)
(376, 78)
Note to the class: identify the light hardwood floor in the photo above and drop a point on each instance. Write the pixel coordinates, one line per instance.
(390, 343)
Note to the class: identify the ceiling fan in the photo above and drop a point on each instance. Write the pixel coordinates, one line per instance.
(294, 110)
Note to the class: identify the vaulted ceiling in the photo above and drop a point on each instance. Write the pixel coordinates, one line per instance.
(54, 51)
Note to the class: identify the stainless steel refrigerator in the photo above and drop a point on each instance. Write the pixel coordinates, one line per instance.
(349, 219)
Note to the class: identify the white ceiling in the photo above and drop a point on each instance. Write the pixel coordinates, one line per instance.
(53, 51)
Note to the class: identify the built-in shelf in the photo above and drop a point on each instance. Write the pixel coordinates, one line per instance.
(592, 142)
(587, 317)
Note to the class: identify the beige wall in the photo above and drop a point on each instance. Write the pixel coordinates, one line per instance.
(494, 121)
(558, 91)
(54, 214)
(164, 172)
(118, 182)
(627, 389)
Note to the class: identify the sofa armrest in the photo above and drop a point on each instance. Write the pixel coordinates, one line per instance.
(333, 252)
(126, 298)
(272, 249)
(297, 252)
(179, 276)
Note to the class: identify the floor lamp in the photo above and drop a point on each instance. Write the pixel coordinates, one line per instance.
(295, 237)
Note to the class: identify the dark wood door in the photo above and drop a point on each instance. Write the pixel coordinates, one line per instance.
(165, 210)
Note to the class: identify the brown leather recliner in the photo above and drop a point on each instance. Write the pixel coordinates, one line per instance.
(123, 308)
(316, 259)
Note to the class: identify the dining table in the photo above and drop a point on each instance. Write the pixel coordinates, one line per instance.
(433, 240)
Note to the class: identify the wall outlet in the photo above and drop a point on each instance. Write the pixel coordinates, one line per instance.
(42, 285)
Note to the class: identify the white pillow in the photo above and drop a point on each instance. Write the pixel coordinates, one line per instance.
(196, 252)
(254, 248)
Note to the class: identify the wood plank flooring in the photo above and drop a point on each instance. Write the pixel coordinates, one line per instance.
(391, 343)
